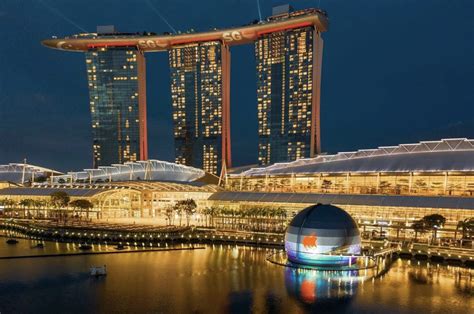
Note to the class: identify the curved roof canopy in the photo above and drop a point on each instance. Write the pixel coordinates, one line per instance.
(22, 172)
(149, 170)
(89, 190)
(428, 156)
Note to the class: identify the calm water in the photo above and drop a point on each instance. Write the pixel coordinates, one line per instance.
(218, 279)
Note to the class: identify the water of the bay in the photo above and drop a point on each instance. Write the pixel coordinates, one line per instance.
(216, 279)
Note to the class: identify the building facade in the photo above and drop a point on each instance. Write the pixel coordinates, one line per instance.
(288, 65)
(117, 99)
(288, 88)
(200, 100)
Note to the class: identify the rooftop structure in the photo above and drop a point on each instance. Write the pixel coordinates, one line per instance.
(22, 172)
(200, 88)
(426, 156)
(149, 42)
(149, 170)
(444, 167)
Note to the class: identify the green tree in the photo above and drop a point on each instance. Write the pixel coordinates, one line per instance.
(8, 204)
(26, 204)
(211, 213)
(434, 222)
(59, 200)
(83, 205)
(384, 186)
(189, 208)
(419, 227)
(467, 229)
(326, 185)
(169, 214)
(41, 179)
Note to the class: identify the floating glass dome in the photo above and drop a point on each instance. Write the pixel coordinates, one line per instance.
(322, 235)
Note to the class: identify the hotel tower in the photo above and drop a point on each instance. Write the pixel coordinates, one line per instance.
(117, 99)
(200, 100)
(288, 87)
(288, 51)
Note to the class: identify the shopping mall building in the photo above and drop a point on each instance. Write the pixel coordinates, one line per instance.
(383, 186)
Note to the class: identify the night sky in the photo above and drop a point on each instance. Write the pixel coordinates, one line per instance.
(394, 71)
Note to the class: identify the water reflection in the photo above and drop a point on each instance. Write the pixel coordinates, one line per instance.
(322, 290)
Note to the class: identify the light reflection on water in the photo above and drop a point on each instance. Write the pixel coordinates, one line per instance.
(217, 279)
(321, 290)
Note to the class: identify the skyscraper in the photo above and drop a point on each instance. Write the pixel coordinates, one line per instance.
(117, 98)
(200, 99)
(288, 50)
(288, 66)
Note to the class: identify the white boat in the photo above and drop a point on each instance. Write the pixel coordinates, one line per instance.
(98, 271)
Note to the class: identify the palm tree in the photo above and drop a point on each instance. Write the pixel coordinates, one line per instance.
(169, 214)
(467, 228)
(26, 203)
(187, 206)
(38, 204)
(7, 203)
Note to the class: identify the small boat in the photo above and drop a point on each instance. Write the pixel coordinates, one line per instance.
(98, 271)
(121, 247)
(39, 246)
(12, 241)
(85, 246)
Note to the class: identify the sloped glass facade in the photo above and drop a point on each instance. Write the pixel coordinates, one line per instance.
(197, 100)
(285, 91)
(117, 102)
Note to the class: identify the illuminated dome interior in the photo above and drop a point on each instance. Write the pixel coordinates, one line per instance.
(322, 235)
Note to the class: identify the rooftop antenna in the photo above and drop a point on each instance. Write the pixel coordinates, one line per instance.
(259, 11)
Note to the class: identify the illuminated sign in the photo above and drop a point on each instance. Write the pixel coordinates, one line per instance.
(150, 44)
(232, 36)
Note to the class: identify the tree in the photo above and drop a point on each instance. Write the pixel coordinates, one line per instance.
(420, 184)
(384, 186)
(38, 204)
(211, 213)
(169, 213)
(59, 199)
(467, 229)
(419, 227)
(326, 185)
(187, 206)
(41, 179)
(7, 203)
(27, 203)
(434, 222)
(82, 204)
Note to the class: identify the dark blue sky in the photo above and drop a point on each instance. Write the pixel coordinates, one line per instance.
(394, 71)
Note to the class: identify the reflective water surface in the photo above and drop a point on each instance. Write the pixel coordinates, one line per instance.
(218, 279)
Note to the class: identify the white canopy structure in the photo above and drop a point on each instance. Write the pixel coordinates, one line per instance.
(427, 156)
(23, 172)
(149, 170)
